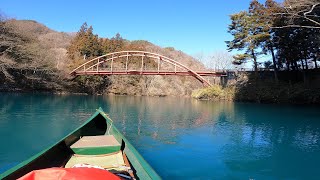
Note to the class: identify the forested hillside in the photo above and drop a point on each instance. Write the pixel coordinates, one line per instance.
(36, 58)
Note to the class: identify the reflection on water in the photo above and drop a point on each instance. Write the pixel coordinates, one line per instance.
(181, 138)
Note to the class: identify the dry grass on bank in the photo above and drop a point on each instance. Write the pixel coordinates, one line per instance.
(215, 92)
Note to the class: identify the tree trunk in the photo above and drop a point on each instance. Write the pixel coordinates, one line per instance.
(296, 71)
(306, 60)
(254, 62)
(274, 64)
(302, 64)
(315, 63)
(288, 65)
(296, 65)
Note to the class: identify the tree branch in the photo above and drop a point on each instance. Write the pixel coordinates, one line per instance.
(312, 8)
(316, 22)
(294, 26)
(289, 11)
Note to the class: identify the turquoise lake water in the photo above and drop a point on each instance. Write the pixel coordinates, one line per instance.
(180, 138)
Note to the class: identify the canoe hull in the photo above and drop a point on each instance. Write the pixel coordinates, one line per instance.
(58, 154)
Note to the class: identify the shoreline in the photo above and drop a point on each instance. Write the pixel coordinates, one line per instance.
(210, 99)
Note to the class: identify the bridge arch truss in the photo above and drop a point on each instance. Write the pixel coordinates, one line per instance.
(135, 63)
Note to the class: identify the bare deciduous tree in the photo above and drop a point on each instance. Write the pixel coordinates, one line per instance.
(219, 60)
(301, 13)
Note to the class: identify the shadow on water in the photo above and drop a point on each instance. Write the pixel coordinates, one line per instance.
(181, 138)
(297, 87)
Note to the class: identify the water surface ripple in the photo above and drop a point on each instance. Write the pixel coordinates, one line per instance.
(180, 138)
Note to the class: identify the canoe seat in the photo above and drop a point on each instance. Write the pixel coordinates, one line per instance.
(96, 145)
(109, 161)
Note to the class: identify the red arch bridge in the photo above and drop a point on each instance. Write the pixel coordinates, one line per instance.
(140, 63)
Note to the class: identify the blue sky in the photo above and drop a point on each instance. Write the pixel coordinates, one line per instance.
(192, 26)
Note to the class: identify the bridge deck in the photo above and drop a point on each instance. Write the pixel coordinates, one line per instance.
(136, 72)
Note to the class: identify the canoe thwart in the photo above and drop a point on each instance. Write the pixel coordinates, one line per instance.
(95, 145)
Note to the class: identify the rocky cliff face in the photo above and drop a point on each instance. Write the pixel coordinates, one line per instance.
(33, 58)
